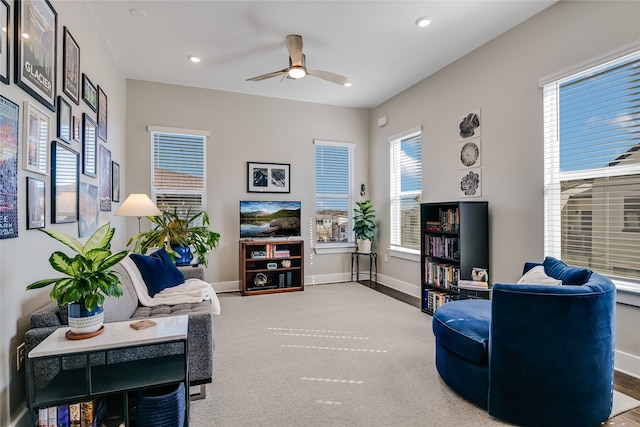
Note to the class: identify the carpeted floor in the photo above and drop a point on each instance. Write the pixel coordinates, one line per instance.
(332, 355)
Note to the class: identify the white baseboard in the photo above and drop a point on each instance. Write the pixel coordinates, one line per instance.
(398, 285)
(627, 363)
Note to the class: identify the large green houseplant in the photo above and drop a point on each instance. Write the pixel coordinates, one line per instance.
(363, 225)
(88, 275)
(176, 233)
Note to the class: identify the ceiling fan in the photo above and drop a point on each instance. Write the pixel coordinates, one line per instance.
(297, 68)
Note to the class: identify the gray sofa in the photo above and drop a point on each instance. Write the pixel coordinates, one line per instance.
(201, 342)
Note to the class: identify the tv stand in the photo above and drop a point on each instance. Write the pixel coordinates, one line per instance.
(270, 266)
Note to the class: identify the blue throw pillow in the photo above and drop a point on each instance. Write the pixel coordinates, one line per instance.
(569, 275)
(158, 271)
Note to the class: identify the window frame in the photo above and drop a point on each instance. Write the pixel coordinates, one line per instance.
(395, 193)
(336, 247)
(172, 191)
(628, 289)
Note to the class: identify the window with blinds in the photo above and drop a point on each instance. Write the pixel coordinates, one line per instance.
(592, 168)
(334, 198)
(178, 174)
(406, 189)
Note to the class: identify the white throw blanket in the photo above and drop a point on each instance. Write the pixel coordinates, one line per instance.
(191, 291)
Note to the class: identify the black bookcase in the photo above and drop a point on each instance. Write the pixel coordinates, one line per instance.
(454, 239)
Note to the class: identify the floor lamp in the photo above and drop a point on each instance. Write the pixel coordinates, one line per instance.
(138, 205)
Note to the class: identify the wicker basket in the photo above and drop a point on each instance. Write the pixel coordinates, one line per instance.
(161, 407)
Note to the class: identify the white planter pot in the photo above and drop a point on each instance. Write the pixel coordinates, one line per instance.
(364, 246)
(82, 321)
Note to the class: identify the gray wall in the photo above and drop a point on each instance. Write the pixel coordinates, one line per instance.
(25, 259)
(501, 78)
(245, 128)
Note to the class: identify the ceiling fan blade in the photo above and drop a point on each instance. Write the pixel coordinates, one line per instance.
(330, 77)
(267, 76)
(294, 46)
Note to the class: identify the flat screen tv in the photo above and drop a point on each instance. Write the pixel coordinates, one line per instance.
(269, 219)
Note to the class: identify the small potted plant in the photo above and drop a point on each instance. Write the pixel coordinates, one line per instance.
(88, 279)
(364, 226)
(178, 234)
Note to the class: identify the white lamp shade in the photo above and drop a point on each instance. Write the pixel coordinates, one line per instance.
(138, 205)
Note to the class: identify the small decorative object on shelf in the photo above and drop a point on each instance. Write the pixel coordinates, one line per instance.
(271, 266)
(454, 251)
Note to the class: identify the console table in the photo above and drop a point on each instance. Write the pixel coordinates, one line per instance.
(109, 377)
(373, 267)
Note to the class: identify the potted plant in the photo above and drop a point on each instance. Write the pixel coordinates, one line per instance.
(177, 235)
(364, 225)
(88, 279)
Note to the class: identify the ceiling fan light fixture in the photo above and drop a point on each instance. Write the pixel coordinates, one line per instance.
(347, 84)
(423, 21)
(193, 58)
(297, 72)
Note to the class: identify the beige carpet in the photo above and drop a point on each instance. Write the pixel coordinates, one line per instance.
(333, 355)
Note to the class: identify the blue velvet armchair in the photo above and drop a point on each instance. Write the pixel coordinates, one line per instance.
(549, 357)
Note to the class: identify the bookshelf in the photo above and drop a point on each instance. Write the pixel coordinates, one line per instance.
(271, 266)
(454, 239)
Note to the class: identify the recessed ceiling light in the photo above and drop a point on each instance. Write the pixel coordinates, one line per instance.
(138, 13)
(423, 21)
(194, 58)
(347, 84)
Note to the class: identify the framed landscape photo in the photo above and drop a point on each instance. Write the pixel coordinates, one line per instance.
(71, 67)
(268, 177)
(35, 203)
(89, 93)
(102, 114)
(36, 54)
(64, 120)
(65, 178)
(89, 146)
(36, 139)
(4, 42)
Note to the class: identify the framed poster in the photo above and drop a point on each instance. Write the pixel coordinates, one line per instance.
(89, 146)
(115, 182)
(65, 177)
(35, 203)
(470, 182)
(9, 117)
(36, 54)
(36, 139)
(470, 125)
(89, 93)
(76, 128)
(89, 209)
(105, 179)
(268, 177)
(64, 120)
(71, 67)
(102, 114)
(4, 42)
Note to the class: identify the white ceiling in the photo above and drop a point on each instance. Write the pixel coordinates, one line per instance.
(375, 44)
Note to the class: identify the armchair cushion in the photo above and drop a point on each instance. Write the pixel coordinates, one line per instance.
(158, 271)
(464, 328)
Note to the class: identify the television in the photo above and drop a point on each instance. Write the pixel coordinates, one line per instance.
(269, 219)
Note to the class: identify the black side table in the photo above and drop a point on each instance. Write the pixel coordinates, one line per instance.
(373, 267)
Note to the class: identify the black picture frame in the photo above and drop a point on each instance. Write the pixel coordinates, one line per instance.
(70, 67)
(105, 179)
(65, 183)
(102, 114)
(37, 74)
(65, 120)
(89, 146)
(36, 205)
(5, 58)
(268, 177)
(89, 93)
(115, 181)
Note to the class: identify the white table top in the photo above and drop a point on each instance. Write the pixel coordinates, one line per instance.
(115, 335)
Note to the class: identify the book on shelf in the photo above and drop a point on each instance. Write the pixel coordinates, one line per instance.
(74, 414)
(258, 254)
(432, 225)
(472, 284)
(450, 219)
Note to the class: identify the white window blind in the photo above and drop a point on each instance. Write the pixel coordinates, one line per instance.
(178, 174)
(334, 198)
(406, 189)
(592, 168)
